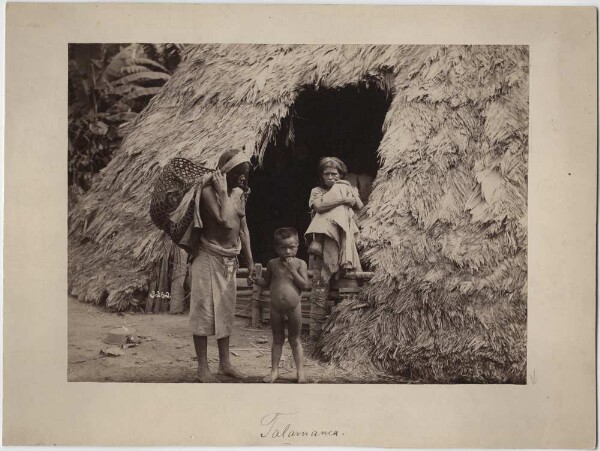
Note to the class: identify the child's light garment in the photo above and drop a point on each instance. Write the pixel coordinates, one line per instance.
(339, 229)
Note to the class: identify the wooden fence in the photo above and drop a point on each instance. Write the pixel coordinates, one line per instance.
(254, 301)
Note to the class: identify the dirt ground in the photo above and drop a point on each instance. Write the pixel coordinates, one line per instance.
(167, 354)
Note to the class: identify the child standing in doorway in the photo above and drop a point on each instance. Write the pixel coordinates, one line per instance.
(333, 231)
(286, 276)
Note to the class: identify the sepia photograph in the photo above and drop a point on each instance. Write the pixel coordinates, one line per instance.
(300, 225)
(331, 214)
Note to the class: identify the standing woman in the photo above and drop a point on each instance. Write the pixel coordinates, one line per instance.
(331, 234)
(213, 271)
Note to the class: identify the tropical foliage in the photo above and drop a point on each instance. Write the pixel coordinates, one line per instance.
(109, 84)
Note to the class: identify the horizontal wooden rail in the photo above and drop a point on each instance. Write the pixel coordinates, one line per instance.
(242, 273)
(254, 301)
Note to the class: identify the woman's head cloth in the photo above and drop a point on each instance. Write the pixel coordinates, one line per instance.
(230, 159)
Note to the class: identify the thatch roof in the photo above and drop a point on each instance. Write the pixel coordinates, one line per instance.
(446, 224)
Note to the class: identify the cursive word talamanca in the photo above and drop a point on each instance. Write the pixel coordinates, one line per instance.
(277, 425)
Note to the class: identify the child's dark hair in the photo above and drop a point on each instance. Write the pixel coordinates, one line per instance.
(283, 233)
(332, 162)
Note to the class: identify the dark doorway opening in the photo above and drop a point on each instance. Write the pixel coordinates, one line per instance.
(346, 123)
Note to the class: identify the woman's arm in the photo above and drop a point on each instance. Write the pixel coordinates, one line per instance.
(246, 249)
(220, 207)
(321, 206)
(352, 200)
(266, 281)
(358, 201)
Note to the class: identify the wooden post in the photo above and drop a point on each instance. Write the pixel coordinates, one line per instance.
(165, 303)
(150, 299)
(347, 280)
(162, 283)
(242, 273)
(345, 293)
(319, 297)
(178, 273)
(255, 299)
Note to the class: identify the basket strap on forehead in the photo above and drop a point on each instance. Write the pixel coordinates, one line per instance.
(236, 160)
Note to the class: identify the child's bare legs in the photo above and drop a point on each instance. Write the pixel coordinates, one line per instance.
(204, 374)
(294, 331)
(225, 366)
(278, 327)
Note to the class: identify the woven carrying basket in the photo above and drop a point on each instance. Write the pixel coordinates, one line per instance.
(176, 178)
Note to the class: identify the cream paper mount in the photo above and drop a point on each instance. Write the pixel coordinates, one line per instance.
(554, 408)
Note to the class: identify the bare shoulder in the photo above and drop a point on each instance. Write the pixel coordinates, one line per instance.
(207, 190)
(271, 263)
(301, 262)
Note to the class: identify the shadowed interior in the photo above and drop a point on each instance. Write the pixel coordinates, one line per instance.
(346, 123)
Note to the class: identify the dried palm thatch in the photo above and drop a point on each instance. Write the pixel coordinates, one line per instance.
(446, 225)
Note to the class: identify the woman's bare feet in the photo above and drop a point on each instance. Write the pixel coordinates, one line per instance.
(229, 370)
(205, 376)
(301, 377)
(272, 377)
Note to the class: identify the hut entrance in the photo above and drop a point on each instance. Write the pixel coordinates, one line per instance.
(346, 123)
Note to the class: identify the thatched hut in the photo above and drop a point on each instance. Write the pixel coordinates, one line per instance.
(444, 130)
